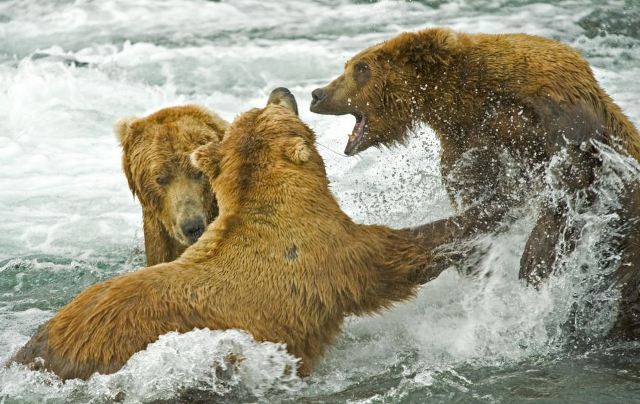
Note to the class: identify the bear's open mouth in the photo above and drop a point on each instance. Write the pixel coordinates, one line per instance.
(357, 135)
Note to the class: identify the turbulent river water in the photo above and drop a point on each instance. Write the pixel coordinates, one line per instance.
(69, 69)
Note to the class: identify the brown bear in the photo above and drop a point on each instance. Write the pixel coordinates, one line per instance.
(177, 202)
(487, 97)
(281, 261)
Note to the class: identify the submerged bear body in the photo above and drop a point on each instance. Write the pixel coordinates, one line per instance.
(281, 261)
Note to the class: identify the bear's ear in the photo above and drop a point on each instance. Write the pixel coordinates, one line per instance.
(122, 129)
(206, 158)
(297, 150)
(283, 97)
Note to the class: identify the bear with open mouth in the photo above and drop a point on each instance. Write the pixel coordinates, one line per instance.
(502, 106)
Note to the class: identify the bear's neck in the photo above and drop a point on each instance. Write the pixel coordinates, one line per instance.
(287, 207)
(283, 214)
(450, 95)
(279, 195)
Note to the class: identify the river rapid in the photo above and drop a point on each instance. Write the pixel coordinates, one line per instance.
(70, 69)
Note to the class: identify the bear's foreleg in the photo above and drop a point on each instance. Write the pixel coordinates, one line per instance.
(628, 274)
(570, 130)
(440, 235)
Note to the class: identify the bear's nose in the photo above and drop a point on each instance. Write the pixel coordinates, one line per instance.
(193, 229)
(318, 95)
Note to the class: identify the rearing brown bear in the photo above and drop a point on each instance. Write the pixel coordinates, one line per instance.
(487, 97)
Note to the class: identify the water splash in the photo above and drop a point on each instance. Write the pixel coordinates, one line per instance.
(190, 364)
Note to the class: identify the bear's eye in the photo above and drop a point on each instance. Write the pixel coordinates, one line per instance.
(362, 67)
(163, 180)
(361, 73)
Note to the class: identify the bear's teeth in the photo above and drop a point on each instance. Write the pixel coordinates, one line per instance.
(357, 132)
(357, 135)
(358, 129)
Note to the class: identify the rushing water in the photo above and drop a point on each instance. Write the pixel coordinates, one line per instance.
(69, 69)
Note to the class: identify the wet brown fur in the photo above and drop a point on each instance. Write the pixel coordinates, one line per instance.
(155, 159)
(484, 95)
(281, 260)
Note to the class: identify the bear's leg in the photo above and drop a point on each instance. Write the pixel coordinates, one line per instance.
(541, 251)
(628, 274)
(475, 220)
(628, 320)
(36, 347)
(554, 232)
(569, 131)
(440, 235)
(473, 181)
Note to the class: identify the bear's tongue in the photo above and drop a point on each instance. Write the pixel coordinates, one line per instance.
(357, 135)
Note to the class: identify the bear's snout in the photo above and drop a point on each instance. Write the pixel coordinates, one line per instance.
(317, 96)
(325, 101)
(192, 229)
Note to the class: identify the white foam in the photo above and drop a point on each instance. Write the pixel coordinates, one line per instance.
(176, 363)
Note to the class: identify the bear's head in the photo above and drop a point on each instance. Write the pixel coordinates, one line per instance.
(384, 86)
(155, 160)
(266, 158)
